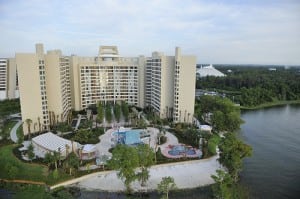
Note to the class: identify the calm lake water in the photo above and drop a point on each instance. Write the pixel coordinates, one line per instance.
(274, 169)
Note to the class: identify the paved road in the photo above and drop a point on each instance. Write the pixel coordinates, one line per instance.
(13, 132)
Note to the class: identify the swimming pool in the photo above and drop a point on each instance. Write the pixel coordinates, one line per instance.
(181, 150)
(130, 137)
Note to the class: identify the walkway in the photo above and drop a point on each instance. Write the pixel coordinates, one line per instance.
(188, 174)
(13, 132)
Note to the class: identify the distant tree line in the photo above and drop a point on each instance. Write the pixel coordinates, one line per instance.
(9, 106)
(256, 85)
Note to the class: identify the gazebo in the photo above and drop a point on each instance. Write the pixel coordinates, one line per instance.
(88, 152)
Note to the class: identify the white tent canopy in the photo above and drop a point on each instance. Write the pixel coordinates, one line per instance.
(51, 142)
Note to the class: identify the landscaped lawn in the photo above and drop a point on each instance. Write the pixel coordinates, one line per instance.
(25, 171)
(6, 129)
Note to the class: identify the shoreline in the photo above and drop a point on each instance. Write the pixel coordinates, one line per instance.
(270, 104)
(187, 175)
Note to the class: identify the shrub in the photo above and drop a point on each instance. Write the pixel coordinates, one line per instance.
(212, 144)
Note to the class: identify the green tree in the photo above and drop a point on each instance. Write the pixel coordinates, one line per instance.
(28, 123)
(30, 152)
(226, 188)
(72, 162)
(108, 115)
(56, 158)
(146, 159)
(100, 112)
(165, 186)
(55, 174)
(125, 110)
(225, 115)
(64, 194)
(222, 187)
(125, 159)
(20, 135)
(212, 144)
(232, 152)
(49, 159)
(218, 121)
(117, 112)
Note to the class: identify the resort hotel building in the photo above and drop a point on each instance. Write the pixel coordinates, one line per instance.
(51, 84)
(8, 79)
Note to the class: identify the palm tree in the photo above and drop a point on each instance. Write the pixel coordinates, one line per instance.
(59, 156)
(180, 116)
(69, 116)
(53, 118)
(28, 122)
(72, 145)
(34, 127)
(67, 149)
(50, 118)
(39, 122)
(56, 157)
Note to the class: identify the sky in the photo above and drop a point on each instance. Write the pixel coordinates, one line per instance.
(217, 32)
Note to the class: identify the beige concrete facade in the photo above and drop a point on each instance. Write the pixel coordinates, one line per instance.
(185, 79)
(106, 78)
(44, 88)
(170, 83)
(51, 84)
(13, 85)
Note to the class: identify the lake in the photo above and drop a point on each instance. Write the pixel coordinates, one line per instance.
(274, 169)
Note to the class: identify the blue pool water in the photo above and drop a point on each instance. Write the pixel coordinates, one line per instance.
(128, 137)
(178, 150)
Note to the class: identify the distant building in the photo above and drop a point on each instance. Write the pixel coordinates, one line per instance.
(205, 71)
(272, 69)
(8, 79)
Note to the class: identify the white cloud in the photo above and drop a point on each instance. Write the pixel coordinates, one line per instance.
(230, 32)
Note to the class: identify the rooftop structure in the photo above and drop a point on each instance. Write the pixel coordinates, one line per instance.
(49, 142)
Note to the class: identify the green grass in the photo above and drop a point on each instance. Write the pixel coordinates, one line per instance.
(270, 104)
(26, 171)
(6, 129)
(31, 192)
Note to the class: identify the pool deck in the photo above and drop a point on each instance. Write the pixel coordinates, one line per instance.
(106, 140)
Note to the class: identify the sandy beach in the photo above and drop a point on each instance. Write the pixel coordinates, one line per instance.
(189, 174)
